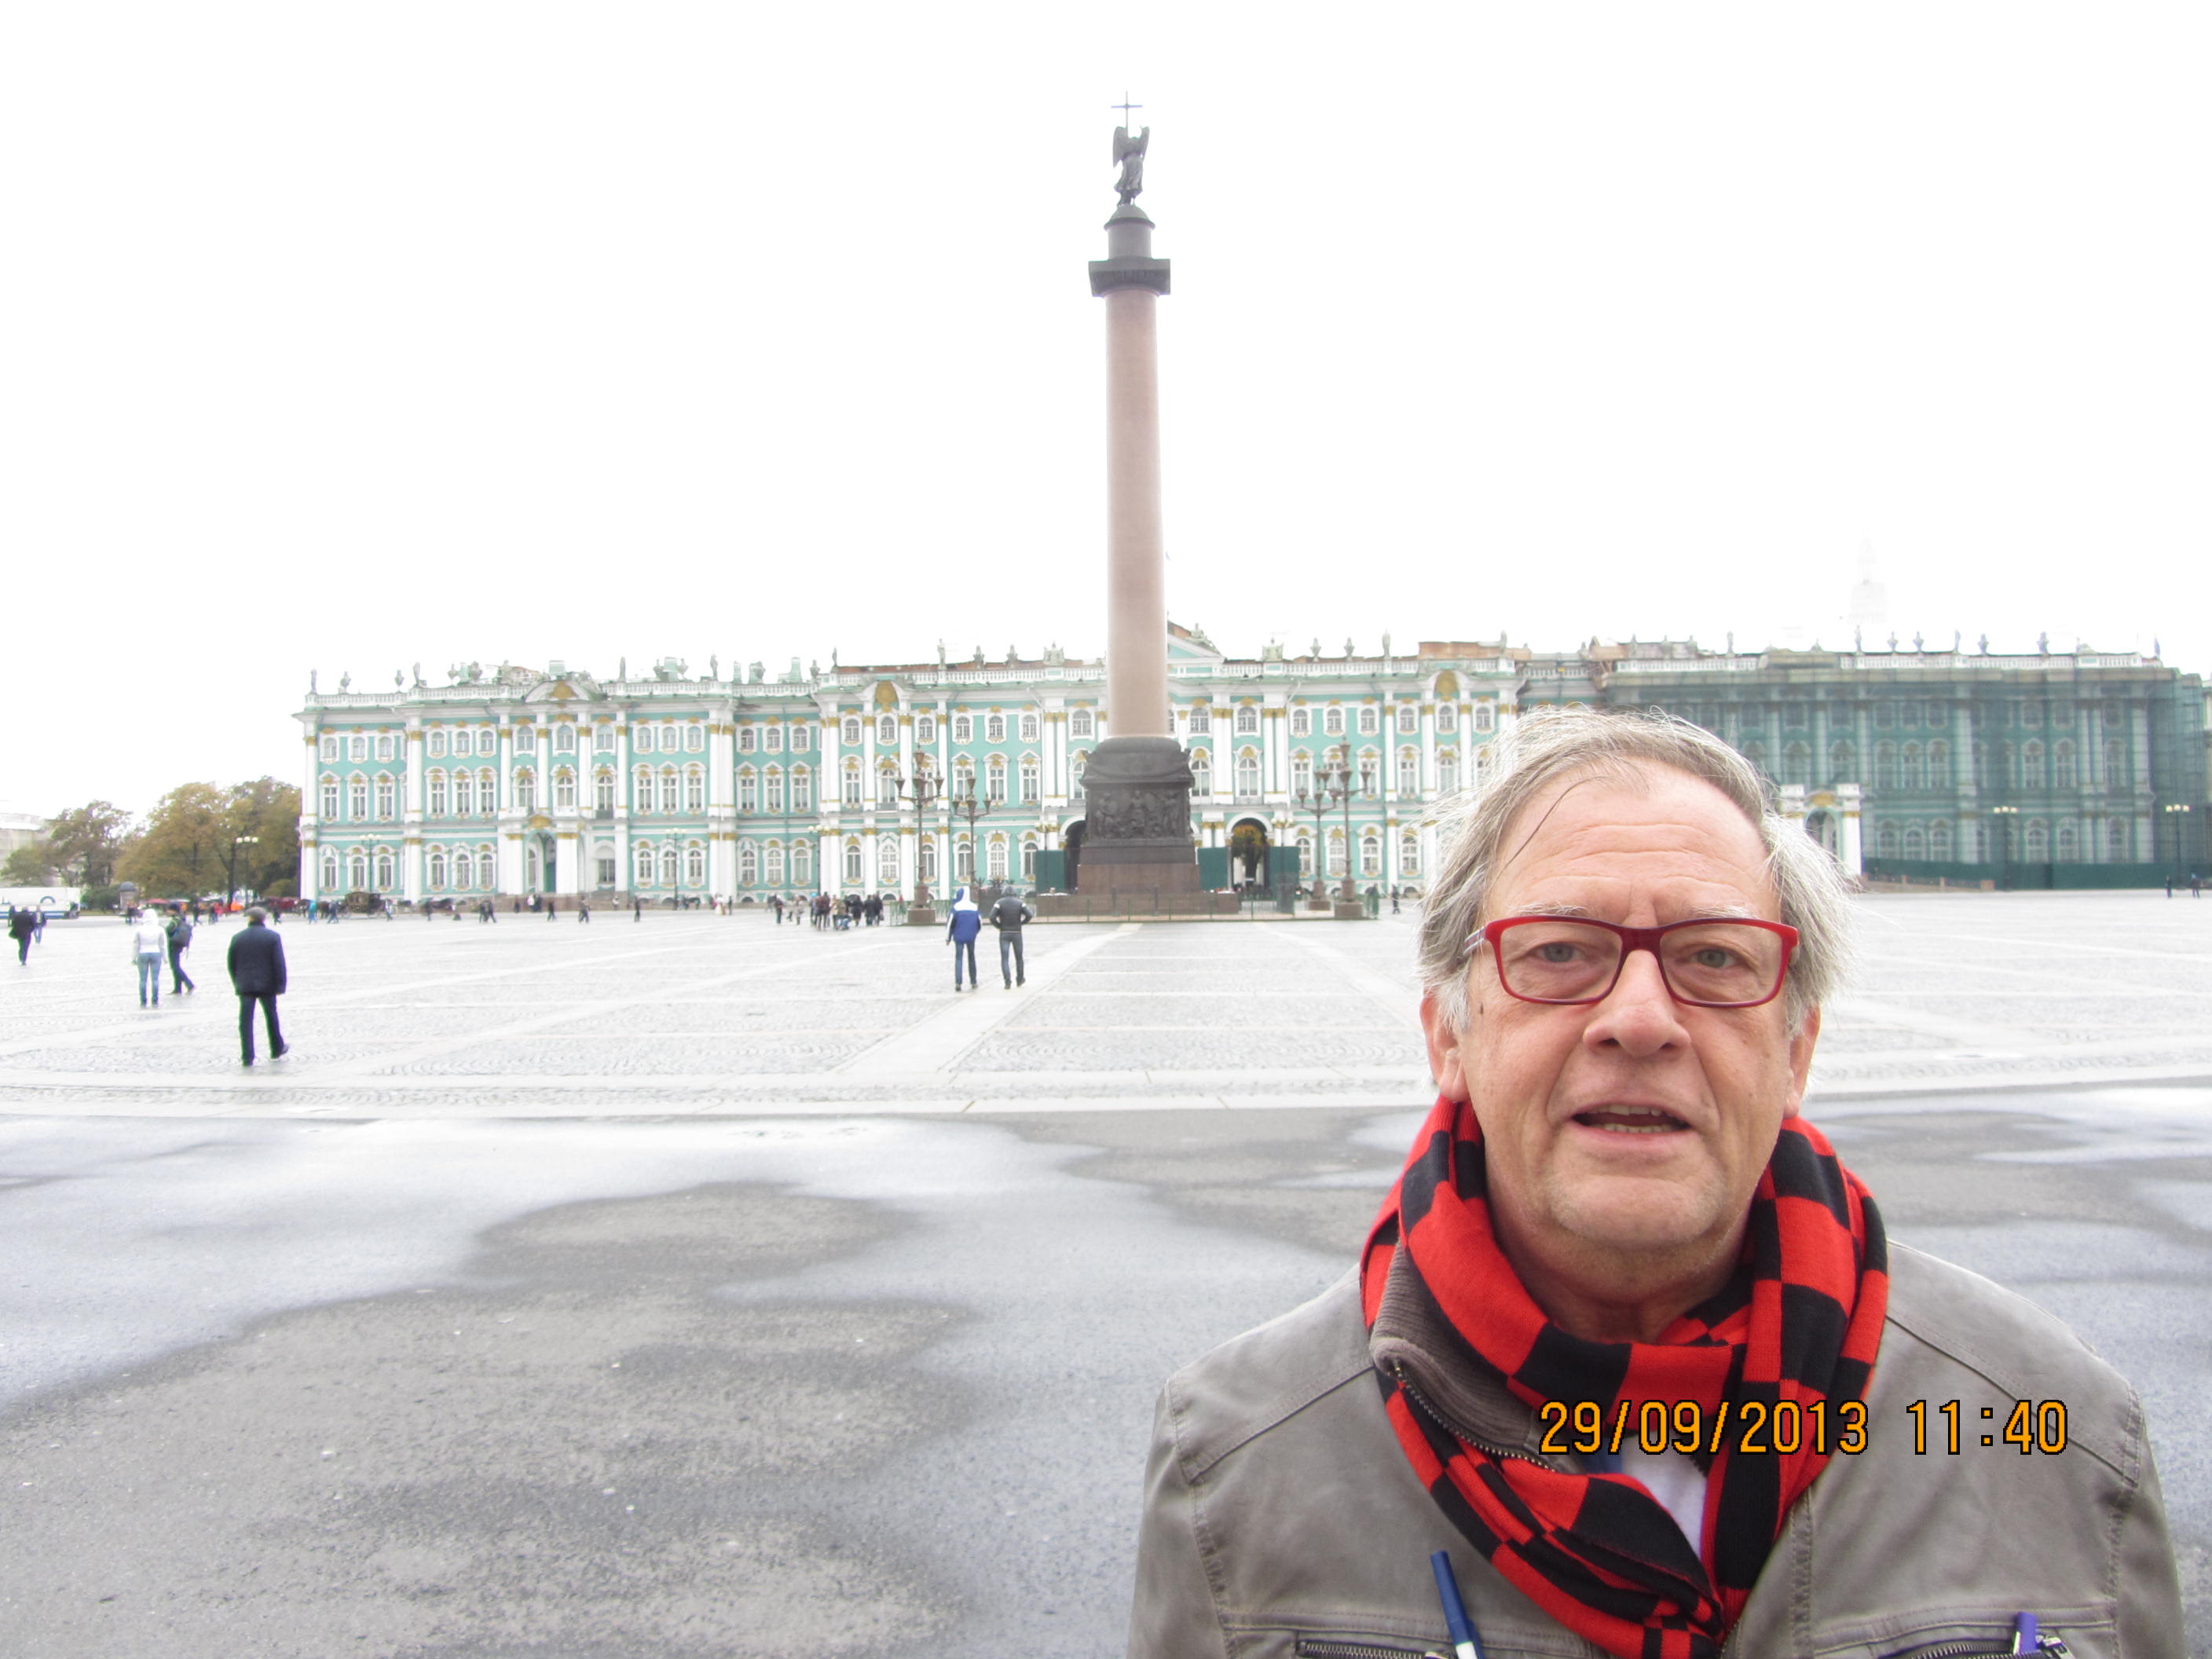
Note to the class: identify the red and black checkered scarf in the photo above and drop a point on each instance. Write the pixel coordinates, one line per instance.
(1800, 1320)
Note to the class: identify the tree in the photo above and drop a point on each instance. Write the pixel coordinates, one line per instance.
(85, 842)
(30, 865)
(1247, 845)
(186, 842)
(269, 812)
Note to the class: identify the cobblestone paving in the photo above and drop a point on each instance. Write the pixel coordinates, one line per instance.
(705, 1014)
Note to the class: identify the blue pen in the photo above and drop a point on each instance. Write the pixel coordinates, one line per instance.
(2025, 1638)
(1462, 1634)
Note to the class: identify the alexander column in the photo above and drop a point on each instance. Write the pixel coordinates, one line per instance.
(1137, 784)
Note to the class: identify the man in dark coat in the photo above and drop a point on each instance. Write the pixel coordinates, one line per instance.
(1008, 915)
(21, 924)
(257, 974)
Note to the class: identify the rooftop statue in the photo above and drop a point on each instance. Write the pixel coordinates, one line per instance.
(1130, 153)
(311, 682)
(345, 681)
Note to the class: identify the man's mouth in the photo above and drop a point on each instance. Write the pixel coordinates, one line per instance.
(1630, 1119)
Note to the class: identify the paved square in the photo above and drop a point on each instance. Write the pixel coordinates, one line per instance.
(680, 1014)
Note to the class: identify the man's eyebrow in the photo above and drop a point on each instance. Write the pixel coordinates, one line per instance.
(1718, 912)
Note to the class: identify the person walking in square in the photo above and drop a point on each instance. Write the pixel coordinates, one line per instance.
(256, 962)
(21, 926)
(583, 911)
(960, 933)
(149, 945)
(1008, 915)
(179, 933)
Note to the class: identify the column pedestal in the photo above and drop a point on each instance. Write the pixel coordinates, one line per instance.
(1136, 835)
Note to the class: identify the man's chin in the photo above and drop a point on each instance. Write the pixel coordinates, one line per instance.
(1635, 1212)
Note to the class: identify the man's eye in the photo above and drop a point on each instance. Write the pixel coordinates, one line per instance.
(1715, 955)
(1557, 952)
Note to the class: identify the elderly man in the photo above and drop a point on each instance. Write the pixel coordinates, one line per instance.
(1626, 1346)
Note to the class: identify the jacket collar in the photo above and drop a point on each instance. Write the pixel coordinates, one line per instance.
(1412, 1342)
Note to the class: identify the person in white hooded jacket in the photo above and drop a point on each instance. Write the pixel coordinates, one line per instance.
(149, 949)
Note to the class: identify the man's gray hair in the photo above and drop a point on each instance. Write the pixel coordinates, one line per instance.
(256, 913)
(1620, 746)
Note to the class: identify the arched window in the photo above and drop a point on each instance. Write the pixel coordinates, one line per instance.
(887, 861)
(852, 796)
(1370, 853)
(1201, 773)
(2063, 765)
(1486, 716)
(1447, 719)
(963, 777)
(1028, 728)
(465, 741)
(671, 787)
(1797, 763)
(1301, 774)
(434, 743)
(1939, 840)
(1884, 837)
(329, 750)
(994, 728)
(925, 729)
(1031, 777)
(849, 733)
(1335, 852)
(1201, 718)
(1409, 771)
(2030, 765)
(464, 795)
(330, 807)
(2116, 841)
(773, 794)
(2116, 766)
(964, 859)
(1915, 776)
(694, 736)
(802, 790)
(694, 789)
(356, 749)
(564, 788)
(1301, 723)
(1367, 720)
(1306, 868)
(330, 873)
(748, 864)
(2010, 751)
(356, 871)
(383, 871)
(887, 732)
(1370, 767)
(694, 866)
(1447, 773)
(487, 793)
(1885, 766)
(802, 737)
(383, 747)
(2069, 841)
(2039, 841)
(802, 864)
(357, 798)
(1080, 724)
(1028, 858)
(1409, 853)
(439, 799)
(525, 740)
(887, 784)
(1916, 842)
(748, 790)
(995, 778)
(642, 788)
(994, 857)
(642, 863)
(1332, 721)
(640, 743)
(1247, 721)
(602, 739)
(925, 858)
(437, 867)
(1076, 763)
(525, 790)
(775, 864)
(748, 739)
(564, 739)
(668, 866)
(1409, 720)
(602, 790)
(1247, 775)
(852, 860)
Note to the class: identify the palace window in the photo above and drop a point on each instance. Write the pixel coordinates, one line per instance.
(641, 789)
(2039, 841)
(1485, 717)
(1409, 854)
(670, 742)
(642, 865)
(1028, 858)
(1370, 854)
(329, 748)
(1332, 721)
(1201, 719)
(465, 741)
(1031, 777)
(802, 864)
(1884, 839)
(925, 728)
(1447, 773)
(694, 866)
(564, 739)
(926, 857)
(1369, 766)
(1939, 764)
(775, 864)
(1409, 720)
(852, 794)
(525, 790)
(1409, 772)
(802, 739)
(357, 747)
(887, 785)
(995, 858)
(1792, 716)
(606, 868)
(1306, 866)
(437, 867)
(1076, 763)
(994, 728)
(2031, 762)
(1247, 721)
(748, 792)
(963, 729)
(437, 798)
(1301, 774)
(383, 871)
(602, 739)
(434, 743)
(1915, 775)
(669, 786)
(747, 739)
(2061, 767)
(358, 799)
(964, 859)
(1028, 728)
(1367, 721)
(852, 862)
(849, 733)
(602, 790)
(1916, 842)
(1939, 840)
(1201, 773)
(641, 740)
(330, 873)
(994, 778)
(564, 790)
(802, 790)
(772, 740)
(887, 732)
(1247, 775)
(1843, 763)
(694, 789)
(387, 798)
(1081, 724)
(330, 808)
(887, 861)
(2068, 842)
(748, 864)
(384, 745)
(2116, 841)
(695, 738)
(464, 795)
(356, 871)
(525, 740)
(1301, 723)
(668, 866)
(1447, 719)
(774, 795)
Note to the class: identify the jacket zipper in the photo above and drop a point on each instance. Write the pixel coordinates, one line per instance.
(1397, 1375)
(2048, 1647)
(1325, 1648)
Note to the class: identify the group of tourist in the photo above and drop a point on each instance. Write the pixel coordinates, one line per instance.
(830, 913)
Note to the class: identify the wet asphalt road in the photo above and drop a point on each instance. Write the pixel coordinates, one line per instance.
(732, 1387)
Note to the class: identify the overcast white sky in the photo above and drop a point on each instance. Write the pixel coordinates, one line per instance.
(352, 338)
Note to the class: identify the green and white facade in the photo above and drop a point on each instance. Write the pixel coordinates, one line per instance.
(552, 781)
(2082, 766)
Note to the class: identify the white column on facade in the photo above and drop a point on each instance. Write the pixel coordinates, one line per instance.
(1429, 747)
(410, 813)
(311, 800)
(508, 845)
(1851, 847)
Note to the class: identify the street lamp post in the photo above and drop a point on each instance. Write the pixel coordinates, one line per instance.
(230, 877)
(1317, 802)
(2180, 829)
(922, 788)
(965, 804)
(2004, 834)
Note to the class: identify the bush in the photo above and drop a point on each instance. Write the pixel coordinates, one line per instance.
(100, 898)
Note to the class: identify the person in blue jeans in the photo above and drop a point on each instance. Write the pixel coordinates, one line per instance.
(150, 948)
(960, 933)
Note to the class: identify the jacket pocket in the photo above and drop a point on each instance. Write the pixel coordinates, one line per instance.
(1354, 1647)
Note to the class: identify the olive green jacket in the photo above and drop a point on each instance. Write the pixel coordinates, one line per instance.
(1282, 1520)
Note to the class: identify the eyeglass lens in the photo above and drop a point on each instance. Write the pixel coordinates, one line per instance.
(1715, 962)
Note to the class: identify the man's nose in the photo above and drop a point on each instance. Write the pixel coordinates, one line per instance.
(1639, 1014)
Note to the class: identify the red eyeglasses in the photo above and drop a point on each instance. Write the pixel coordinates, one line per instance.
(1708, 962)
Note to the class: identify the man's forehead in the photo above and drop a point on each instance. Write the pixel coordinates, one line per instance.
(1654, 824)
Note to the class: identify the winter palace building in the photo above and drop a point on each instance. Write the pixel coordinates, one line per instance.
(2047, 768)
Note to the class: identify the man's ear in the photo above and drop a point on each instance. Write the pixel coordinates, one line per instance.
(1444, 1063)
(1801, 1044)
